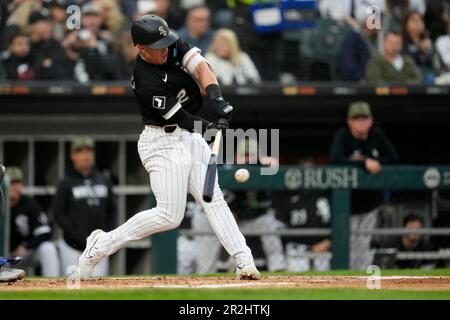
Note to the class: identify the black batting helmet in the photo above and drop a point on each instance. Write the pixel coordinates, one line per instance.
(152, 32)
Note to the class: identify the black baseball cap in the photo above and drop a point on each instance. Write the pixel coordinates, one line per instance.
(152, 32)
(39, 15)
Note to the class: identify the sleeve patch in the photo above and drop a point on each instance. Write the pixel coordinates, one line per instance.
(159, 102)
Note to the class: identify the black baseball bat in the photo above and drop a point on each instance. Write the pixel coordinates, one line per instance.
(210, 178)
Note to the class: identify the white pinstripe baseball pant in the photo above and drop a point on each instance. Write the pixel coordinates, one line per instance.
(177, 163)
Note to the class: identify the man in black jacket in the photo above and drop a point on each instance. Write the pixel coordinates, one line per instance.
(362, 145)
(84, 202)
(30, 233)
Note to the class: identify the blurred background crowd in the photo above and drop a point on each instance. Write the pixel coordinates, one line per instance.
(413, 44)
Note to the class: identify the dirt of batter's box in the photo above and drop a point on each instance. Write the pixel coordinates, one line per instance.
(398, 283)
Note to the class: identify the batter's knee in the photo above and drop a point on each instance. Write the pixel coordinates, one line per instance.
(171, 216)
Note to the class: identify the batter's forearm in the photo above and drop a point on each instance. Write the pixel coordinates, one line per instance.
(204, 76)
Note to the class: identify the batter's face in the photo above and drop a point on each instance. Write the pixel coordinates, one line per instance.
(153, 56)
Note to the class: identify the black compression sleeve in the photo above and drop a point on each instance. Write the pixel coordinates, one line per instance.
(188, 121)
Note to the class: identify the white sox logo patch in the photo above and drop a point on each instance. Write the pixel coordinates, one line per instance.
(162, 31)
(159, 102)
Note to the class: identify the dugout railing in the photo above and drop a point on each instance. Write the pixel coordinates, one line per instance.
(339, 181)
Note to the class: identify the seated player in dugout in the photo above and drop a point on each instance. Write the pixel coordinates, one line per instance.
(305, 209)
(168, 80)
(30, 232)
(414, 243)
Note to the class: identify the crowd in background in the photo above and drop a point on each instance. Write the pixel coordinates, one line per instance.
(413, 44)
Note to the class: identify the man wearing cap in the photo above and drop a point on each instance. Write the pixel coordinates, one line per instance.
(168, 80)
(47, 51)
(83, 202)
(30, 233)
(89, 49)
(362, 145)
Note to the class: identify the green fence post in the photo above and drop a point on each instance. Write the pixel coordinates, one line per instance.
(164, 249)
(164, 252)
(340, 228)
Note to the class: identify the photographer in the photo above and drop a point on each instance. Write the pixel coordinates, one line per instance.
(87, 49)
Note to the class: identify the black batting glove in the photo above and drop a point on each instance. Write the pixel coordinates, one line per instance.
(222, 108)
(221, 124)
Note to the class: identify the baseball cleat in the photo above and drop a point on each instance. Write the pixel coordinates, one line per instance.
(91, 255)
(247, 271)
(11, 275)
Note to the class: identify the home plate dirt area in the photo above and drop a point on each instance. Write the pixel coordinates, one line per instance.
(285, 281)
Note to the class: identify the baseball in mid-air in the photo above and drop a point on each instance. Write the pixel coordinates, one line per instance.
(241, 175)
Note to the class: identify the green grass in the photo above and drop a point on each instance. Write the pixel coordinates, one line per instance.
(245, 293)
(227, 294)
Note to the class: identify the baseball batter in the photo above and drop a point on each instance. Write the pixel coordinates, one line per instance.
(168, 79)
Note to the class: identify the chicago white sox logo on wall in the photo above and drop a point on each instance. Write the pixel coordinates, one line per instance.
(159, 102)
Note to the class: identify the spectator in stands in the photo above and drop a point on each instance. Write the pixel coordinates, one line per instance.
(113, 19)
(265, 50)
(362, 145)
(20, 11)
(57, 10)
(197, 30)
(443, 48)
(231, 65)
(88, 52)
(414, 243)
(418, 45)
(49, 56)
(17, 60)
(397, 9)
(126, 54)
(392, 65)
(305, 209)
(30, 233)
(166, 10)
(83, 202)
(436, 18)
(357, 49)
(92, 20)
